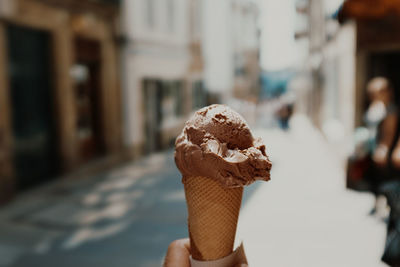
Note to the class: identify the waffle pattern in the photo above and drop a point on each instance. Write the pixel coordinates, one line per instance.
(213, 215)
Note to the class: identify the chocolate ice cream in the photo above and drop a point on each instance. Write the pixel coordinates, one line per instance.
(217, 143)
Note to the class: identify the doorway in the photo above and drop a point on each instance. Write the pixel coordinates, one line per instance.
(35, 156)
(152, 92)
(86, 75)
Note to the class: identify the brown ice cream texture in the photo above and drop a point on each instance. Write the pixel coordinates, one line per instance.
(217, 143)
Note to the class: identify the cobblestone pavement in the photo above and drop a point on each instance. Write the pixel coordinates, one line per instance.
(129, 215)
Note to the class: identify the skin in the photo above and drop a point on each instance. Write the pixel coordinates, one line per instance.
(396, 156)
(179, 252)
(381, 153)
(379, 89)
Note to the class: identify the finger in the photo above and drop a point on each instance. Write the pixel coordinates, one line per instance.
(178, 254)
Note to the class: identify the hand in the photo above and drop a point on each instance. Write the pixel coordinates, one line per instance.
(178, 254)
(380, 156)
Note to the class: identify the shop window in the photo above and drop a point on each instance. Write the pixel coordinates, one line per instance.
(149, 13)
(172, 99)
(196, 19)
(199, 95)
(164, 101)
(153, 114)
(170, 15)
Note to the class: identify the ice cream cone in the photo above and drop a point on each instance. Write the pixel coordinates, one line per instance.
(213, 215)
(217, 156)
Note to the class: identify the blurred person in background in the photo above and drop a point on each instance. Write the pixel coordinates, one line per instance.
(376, 160)
(372, 161)
(381, 120)
(285, 111)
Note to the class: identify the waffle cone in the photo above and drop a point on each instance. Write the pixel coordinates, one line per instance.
(213, 215)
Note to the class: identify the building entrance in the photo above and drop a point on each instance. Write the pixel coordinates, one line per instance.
(35, 156)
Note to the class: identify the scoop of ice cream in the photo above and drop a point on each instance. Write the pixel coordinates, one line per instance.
(217, 143)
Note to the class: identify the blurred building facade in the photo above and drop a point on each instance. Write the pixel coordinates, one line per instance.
(179, 56)
(231, 48)
(326, 89)
(62, 64)
(59, 91)
(339, 71)
(349, 43)
(377, 47)
(246, 32)
(162, 71)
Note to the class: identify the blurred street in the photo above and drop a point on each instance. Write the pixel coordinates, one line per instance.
(93, 94)
(128, 215)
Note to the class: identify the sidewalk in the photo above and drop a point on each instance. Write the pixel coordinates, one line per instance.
(304, 216)
(129, 215)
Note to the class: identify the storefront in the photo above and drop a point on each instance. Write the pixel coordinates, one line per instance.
(59, 89)
(377, 45)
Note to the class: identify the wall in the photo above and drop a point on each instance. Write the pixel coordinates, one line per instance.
(156, 48)
(339, 72)
(230, 47)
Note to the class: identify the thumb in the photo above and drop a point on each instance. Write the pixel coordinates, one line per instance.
(242, 265)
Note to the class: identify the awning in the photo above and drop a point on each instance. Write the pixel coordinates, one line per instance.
(369, 9)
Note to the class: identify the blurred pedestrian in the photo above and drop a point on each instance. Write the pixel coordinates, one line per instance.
(381, 119)
(285, 111)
